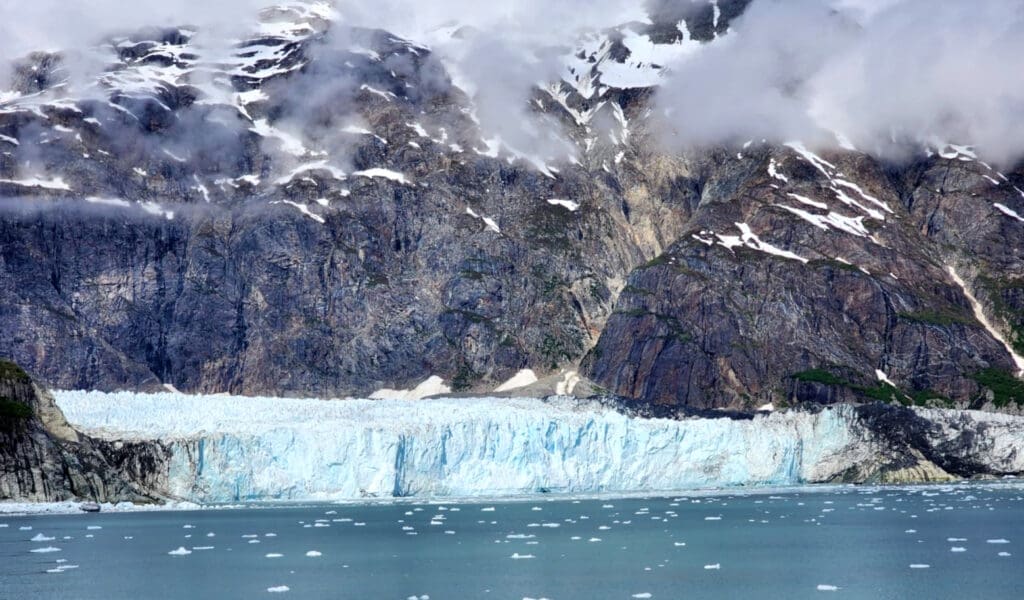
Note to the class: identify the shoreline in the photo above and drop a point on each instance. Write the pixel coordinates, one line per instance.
(65, 508)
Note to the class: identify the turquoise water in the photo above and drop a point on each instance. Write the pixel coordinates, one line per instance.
(850, 543)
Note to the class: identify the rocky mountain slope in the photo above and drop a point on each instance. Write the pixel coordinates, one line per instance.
(317, 210)
(43, 459)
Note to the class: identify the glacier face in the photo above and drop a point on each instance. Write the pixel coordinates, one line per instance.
(229, 448)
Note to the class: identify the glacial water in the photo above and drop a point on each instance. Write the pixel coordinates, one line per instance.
(958, 541)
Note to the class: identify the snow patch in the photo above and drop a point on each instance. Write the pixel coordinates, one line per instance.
(567, 204)
(979, 314)
(432, 386)
(1008, 211)
(523, 378)
(385, 174)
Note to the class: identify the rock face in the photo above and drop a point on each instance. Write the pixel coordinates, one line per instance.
(43, 459)
(324, 216)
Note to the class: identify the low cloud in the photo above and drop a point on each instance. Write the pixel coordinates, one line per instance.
(889, 75)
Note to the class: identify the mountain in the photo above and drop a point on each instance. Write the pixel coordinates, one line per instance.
(43, 459)
(320, 209)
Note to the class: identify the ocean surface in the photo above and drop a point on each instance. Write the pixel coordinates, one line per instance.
(958, 541)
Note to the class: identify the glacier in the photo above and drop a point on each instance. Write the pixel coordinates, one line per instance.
(229, 449)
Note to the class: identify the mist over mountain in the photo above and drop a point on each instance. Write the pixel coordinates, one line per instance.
(713, 204)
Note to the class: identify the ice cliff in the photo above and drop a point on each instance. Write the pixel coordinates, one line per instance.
(226, 448)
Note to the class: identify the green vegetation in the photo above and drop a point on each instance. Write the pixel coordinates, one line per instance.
(556, 351)
(934, 317)
(818, 376)
(661, 259)
(12, 372)
(464, 379)
(10, 409)
(883, 392)
(1004, 386)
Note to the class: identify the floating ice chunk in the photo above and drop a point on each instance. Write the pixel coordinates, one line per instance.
(278, 589)
(822, 587)
(45, 550)
(202, 548)
(678, 544)
(39, 537)
(642, 595)
(594, 539)
(952, 539)
(713, 567)
(958, 549)
(180, 551)
(713, 518)
(1004, 554)
(487, 509)
(517, 556)
(313, 554)
(998, 541)
(274, 555)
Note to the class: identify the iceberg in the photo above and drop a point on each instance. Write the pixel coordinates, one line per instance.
(229, 449)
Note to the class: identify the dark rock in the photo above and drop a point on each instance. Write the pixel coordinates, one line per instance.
(43, 459)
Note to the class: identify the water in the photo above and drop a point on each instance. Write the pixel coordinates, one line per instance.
(797, 544)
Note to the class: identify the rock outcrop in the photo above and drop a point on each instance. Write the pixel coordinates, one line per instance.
(43, 459)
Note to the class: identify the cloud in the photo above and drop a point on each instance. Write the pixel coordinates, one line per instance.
(75, 24)
(890, 75)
